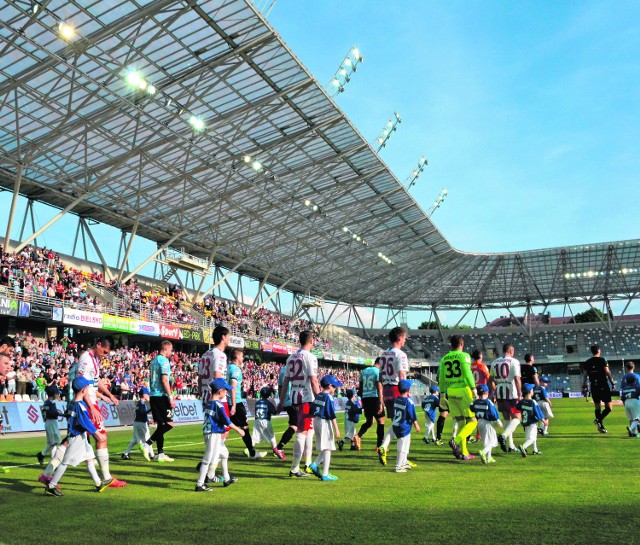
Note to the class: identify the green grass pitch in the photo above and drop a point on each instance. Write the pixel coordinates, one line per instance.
(581, 490)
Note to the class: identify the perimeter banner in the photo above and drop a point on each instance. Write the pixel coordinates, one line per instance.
(82, 318)
(195, 334)
(41, 311)
(118, 323)
(8, 307)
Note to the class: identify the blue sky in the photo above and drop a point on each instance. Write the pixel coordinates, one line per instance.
(526, 111)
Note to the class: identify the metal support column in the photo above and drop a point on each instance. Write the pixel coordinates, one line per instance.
(12, 210)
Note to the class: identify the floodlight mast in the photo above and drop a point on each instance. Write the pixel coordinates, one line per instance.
(415, 173)
(389, 128)
(347, 68)
(438, 202)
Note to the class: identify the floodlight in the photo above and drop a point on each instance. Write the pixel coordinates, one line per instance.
(196, 123)
(67, 31)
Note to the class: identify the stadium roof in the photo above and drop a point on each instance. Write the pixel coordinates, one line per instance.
(105, 119)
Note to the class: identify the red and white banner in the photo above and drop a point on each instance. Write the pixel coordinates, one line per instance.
(169, 331)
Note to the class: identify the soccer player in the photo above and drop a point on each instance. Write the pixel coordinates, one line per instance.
(79, 449)
(293, 418)
(597, 374)
(371, 402)
(529, 372)
(429, 404)
(352, 412)
(89, 368)
(456, 382)
(394, 367)
(505, 379)
(213, 363)
(479, 370)
(50, 415)
(140, 425)
(404, 416)
(214, 428)
(161, 401)
(237, 408)
(302, 374)
(629, 393)
(325, 427)
(487, 414)
(541, 397)
(531, 415)
(262, 427)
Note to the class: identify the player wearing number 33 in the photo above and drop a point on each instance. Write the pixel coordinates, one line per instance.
(457, 383)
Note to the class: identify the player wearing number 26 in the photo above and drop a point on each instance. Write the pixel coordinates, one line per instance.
(457, 383)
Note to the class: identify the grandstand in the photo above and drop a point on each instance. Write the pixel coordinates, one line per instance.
(216, 144)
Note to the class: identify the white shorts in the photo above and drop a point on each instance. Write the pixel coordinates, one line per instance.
(262, 431)
(53, 432)
(546, 409)
(349, 429)
(404, 443)
(487, 433)
(79, 450)
(632, 409)
(140, 432)
(325, 438)
(214, 448)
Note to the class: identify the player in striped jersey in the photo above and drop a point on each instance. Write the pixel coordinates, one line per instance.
(302, 374)
(213, 363)
(505, 378)
(394, 367)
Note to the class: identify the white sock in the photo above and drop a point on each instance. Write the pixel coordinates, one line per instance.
(320, 459)
(132, 444)
(58, 475)
(308, 446)
(274, 443)
(224, 462)
(102, 454)
(298, 447)
(455, 429)
(509, 429)
(326, 462)
(91, 466)
(46, 449)
(56, 460)
(387, 438)
(211, 473)
(204, 469)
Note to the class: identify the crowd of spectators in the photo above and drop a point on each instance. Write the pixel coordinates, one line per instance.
(39, 271)
(38, 364)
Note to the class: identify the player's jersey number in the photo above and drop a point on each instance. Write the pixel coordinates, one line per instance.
(206, 368)
(398, 417)
(525, 418)
(502, 371)
(368, 383)
(386, 366)
(452, 369)
(296, 370)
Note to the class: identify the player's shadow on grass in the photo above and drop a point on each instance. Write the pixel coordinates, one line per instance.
(20, 486)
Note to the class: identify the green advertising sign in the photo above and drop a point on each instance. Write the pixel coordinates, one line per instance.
(118, 323)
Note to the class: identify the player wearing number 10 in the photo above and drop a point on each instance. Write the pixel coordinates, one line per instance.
(456, 381)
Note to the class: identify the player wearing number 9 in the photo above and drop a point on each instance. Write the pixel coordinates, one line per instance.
(456, 381)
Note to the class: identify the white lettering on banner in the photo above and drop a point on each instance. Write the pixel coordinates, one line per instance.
(236, 342)
(554, 394)
(575, 394)
(555, 359)
(82, 318)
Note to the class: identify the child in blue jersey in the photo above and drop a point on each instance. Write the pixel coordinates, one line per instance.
(531, 415)
(50, 415)
(214, 427)
(140, 426)
(352, 412)
(541, 397)
(429, 406)
(325, 427)
(78, 450)
(262, 428)
(486, 414)
(404, 417)
(629, 393)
